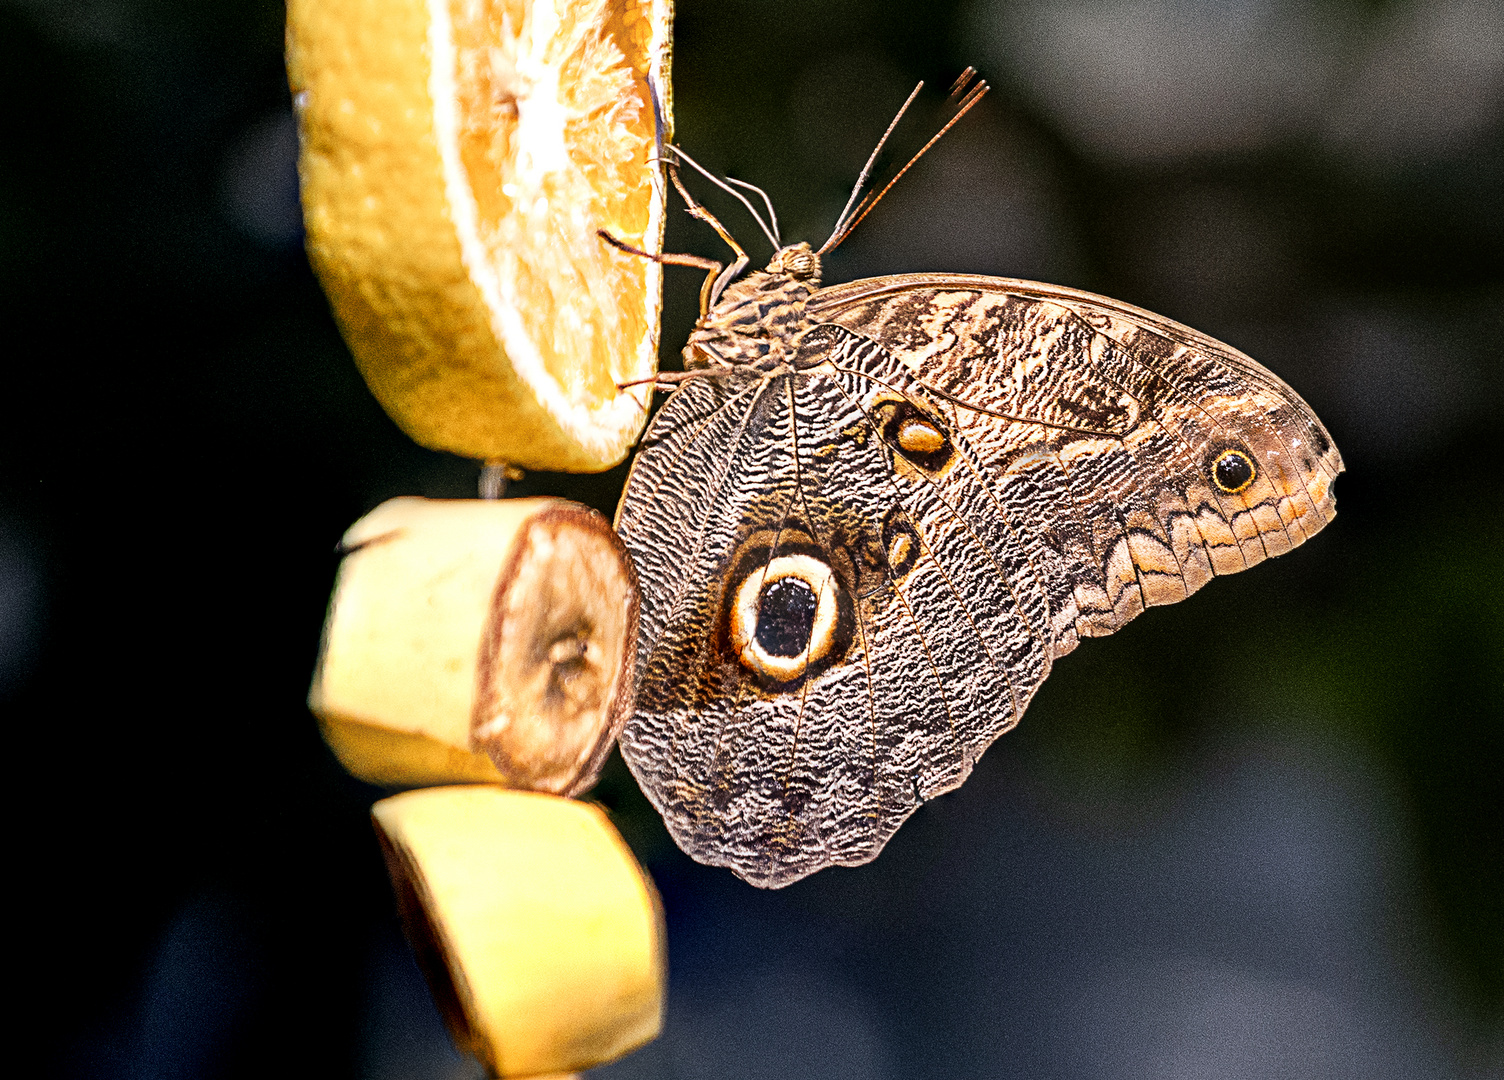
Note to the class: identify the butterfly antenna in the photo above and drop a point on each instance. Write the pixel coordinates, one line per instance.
(965, 95)
(867, 168)
(718, 182)
(772, 214)
(963, 81)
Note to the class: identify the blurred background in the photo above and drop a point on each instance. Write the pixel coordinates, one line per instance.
(1257, 834)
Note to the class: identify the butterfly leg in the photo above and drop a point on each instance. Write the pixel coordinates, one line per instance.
(713, 269)
(664, 380)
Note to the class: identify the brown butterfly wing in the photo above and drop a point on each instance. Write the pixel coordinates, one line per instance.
(983, 471)
(940, 636)
(1100, 424)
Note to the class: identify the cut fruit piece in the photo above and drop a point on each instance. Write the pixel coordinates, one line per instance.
(478, 641)
(457, 160)
(540, 935)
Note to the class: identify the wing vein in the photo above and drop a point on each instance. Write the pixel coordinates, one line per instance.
(929, 552)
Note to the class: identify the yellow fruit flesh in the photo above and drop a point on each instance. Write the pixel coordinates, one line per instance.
(552, 129)
(392, 758)
(540, 934)
(457, 160)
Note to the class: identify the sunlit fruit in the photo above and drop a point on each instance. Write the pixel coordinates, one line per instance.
(540, 935)
(457, 161)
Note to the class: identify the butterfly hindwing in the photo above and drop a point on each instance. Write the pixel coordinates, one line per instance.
(941, 632)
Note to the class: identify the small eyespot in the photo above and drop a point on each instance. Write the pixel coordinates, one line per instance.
(915, 435)
(1233, 471)
(900, 543)
(901, 550)
(919, 437)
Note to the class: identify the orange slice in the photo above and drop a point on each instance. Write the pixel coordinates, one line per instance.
(457, 158)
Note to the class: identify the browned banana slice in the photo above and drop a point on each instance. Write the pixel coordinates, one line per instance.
(472, 640)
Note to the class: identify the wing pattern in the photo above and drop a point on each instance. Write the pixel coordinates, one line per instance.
(1118, 415)
(860, 564)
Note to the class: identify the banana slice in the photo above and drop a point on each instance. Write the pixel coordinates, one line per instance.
(478, 641)
(541, 937)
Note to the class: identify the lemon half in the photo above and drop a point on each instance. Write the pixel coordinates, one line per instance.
(457, 158)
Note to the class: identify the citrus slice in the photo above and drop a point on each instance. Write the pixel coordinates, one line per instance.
(457, 158)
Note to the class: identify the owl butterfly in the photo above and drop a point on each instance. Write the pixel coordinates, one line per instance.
(871, 517)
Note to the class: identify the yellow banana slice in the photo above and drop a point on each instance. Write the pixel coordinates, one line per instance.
(541, 937)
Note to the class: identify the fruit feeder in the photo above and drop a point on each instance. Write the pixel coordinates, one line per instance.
(487, 647)
(456, 163)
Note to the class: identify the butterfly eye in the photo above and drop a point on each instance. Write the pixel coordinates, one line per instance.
(786, 617)
(1233, 471)
(802, 264)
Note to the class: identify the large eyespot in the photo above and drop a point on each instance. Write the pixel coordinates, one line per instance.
(915, 435)
(1232, 471)
(787, 616)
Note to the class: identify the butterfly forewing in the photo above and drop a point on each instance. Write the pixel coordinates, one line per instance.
(863, 544)
(1116, 413)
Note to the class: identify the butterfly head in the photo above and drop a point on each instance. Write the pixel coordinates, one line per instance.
(797, 261)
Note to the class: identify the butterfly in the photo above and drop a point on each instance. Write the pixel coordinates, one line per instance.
(870, 517)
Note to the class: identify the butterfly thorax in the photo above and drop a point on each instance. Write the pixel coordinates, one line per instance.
(758, 321)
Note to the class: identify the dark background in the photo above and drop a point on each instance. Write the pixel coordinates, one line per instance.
(1256, 834)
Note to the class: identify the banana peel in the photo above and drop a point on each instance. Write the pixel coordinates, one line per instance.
(478, 641)
(540, 935)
